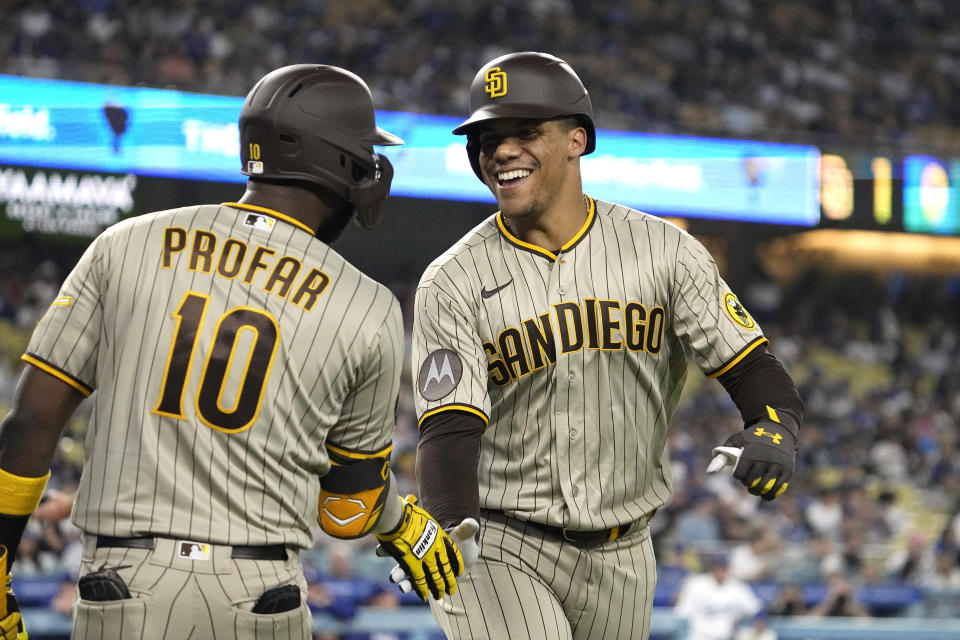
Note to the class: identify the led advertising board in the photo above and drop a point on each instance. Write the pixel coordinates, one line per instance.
(153, 132)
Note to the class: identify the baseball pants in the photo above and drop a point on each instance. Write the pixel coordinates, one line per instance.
(528, 585)
(182, 591)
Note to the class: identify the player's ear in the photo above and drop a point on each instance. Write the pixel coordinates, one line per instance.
(576, 141)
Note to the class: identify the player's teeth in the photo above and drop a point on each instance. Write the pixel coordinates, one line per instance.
(513, 175)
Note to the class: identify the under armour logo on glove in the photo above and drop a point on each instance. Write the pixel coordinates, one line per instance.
(768, 454)
(776, 437)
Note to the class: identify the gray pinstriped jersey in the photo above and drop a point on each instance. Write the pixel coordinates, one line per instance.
(576, 360)
(227, 345)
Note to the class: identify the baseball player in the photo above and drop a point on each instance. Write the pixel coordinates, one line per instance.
(246, 377)
(550, 348)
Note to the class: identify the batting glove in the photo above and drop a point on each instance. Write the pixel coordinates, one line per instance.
(768, 454)
(428, 560)
(11, 624)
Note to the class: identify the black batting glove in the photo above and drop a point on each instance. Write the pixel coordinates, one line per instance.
(769, 454)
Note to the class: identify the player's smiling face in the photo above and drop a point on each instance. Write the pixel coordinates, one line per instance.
(526, 163)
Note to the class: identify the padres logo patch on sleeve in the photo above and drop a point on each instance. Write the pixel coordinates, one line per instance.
(439, 374)
(736, 311)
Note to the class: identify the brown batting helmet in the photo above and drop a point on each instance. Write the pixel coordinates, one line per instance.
(527, 84)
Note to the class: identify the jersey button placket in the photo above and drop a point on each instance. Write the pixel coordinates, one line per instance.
(561, 423)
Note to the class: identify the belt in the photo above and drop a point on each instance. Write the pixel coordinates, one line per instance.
(242, 552)
(579, 538)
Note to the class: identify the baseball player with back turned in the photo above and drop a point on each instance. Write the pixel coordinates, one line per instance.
(247, 379)
(551, 345)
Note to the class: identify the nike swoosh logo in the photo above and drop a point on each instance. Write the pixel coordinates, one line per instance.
(486, 293)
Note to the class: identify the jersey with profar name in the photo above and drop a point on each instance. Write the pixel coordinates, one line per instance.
(577, 359)
(227, 346)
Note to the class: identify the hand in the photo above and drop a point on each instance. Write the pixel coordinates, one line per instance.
(11, 624)
(55, 507)
(428, 559)
(768, 456)
(465, 536)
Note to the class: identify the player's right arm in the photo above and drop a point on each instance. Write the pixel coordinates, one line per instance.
(450, 380)
(61, 361)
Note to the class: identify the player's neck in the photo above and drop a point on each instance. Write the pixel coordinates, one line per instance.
(309, 206)
(553, 227)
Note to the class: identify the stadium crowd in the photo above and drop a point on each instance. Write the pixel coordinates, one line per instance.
(875, 503)
(878, 70)
(876, 499)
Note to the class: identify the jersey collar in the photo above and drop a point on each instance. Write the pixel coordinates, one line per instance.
(269, 212)
(532, 248)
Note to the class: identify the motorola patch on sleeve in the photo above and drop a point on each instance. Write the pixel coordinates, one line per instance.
(439, 374)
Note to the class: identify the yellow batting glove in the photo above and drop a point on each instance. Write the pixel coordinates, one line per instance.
(427, 557)
(11, 623)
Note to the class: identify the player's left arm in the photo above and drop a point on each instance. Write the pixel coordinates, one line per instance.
(357, 495)
(772, 412)
(728, 344)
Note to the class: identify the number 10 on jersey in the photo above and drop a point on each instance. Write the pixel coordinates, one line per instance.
(212, 407)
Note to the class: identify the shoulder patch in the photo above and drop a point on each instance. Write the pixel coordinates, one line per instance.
(736, 311)
(439, 374)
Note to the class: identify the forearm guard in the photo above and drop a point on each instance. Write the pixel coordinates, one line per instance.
(353, 493)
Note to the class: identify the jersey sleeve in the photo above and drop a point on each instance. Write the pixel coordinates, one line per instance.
(449, 364)
(368, 418)
(708, 316)
(66, 341)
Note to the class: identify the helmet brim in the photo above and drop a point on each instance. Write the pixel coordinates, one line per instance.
(386, 139)
(501, 111)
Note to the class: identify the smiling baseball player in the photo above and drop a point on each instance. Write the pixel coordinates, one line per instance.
(551, 345)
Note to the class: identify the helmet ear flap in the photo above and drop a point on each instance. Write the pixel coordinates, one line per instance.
(370, 196)
(473, 152)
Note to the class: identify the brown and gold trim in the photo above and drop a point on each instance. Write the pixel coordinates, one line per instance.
(456, 407)
(57, 373)
(737, 358)
(591, 206)
(269, 212)
(358, 454)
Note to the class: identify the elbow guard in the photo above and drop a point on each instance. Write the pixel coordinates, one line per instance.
(353, 492)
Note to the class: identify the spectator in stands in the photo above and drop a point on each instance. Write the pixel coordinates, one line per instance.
(698, 526)
(790, 601)
(841, 600)
(824, 514)
(62, 602)
(913, 562)
(714, 603)
(754, 560)
(736, 68)
(942, 588)
(338, 590)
